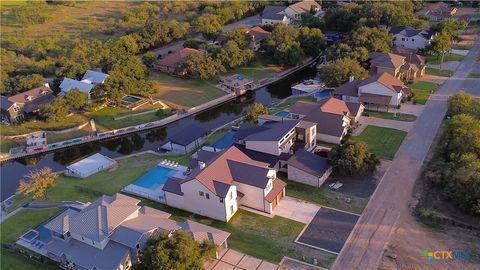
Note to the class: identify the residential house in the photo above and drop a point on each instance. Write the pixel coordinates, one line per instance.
(257, 35)
(416, 39)
(295, 11)
(68, 84)
(396, 65)
(277, 136)
(17, 107)
(332, 117)
(410, 55)
(94, 77)
(169, 62)
(437, 11)
(274, 14)
(380, 91)
(308, 168)
(109, 233)
(216, 187)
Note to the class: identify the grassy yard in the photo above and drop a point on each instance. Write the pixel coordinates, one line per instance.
(263, 237)
(13, 228)
(325, 196)
(7, 144)
(423, 91)
(184, 93)
(474, 75)
(105, 117)
(258, 69)
(31, 126)
(58, 137)
(438, 72)
(390, 116)
(326, 144)
(383, 142)
(434, 60)
(289, 102)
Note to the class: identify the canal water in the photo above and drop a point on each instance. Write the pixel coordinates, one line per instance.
(11, 172)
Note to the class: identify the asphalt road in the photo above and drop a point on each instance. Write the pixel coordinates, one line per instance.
(388, 207)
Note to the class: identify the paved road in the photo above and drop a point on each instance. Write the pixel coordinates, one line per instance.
(247, 22)
(384, 212)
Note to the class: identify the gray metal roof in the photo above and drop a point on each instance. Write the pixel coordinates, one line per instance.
(188, 135)
(248, 174)
(221, 188)
(309, 162)
(273, 13)
(5, 103)
(69, 84)
(273, 131)
(94, 77)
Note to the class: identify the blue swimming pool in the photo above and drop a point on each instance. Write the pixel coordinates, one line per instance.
(155, 177)
(282, 114)
(323, 94)
(225, 141)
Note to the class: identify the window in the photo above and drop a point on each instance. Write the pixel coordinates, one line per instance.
(231, 209)
(207, 195)
(93, 242)
(221, 200)
(138, 246)
(231, 195)
(413, 39)
(403, 39)
(200, 193)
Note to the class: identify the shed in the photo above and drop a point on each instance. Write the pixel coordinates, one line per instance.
(186, 139)
(90, 165)
(308, 168)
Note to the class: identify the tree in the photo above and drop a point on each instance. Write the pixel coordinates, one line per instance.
(178, 251)
(32, 12)
(312, 40)
(231, 55)
(353, 159)
(76, 99)
(255, 111)
(335, 73)
(440, 44)
(209, 25)
(37, 183)
(55, 110)
(451, 27)
(191, 43)
(240, 37)
(463, 103)
(149, 58)
(200, 65)
(22, 83)
(282, 44)
(289, 54)
(309, 20)
(343, 50)
(462, 135)
(372, 38)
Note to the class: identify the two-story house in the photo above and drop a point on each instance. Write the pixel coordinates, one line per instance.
(109, 233)
(416, 39)
(218, 186)
(399, 66)
(274, 14)
(17, 107)
(295, 11)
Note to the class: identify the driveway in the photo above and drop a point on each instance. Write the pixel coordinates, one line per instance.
(373, 121)
(295, 209)
(409, 109)
(234, 260)
(388, 212)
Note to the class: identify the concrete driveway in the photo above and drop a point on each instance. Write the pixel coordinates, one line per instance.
(297, 210)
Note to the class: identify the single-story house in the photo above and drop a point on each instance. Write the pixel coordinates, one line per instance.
(109, 233)
(437, 11)
(90, 165)
(94, 77)
(69, 84)
(186, 139)
(295, 11)
(396, 65)
(381, 90)
(274, 14)
(416, 39)
(217, 187)
(332, 117)
(16, 107)
(168, 63)
(308, 168)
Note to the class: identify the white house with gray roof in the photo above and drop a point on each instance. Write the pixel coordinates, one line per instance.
(108, 234)
(416, 39)
(274, 14)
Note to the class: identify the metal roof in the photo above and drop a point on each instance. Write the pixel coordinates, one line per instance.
(94, 77)
(188, 135)
(69, 84)
(309, 163)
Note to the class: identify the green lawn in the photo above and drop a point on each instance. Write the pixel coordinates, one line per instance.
(263, 237)
(325, 196)
(7, 144)
(12, 260)
(390, 116)
(31, 126)
(58, 137)
(215, 136)
(383, 142)
(423, 91)
(258, 69)
(474, 75)
(105, 117)
(438, 72)
(184, 93)
(289, 102)
(326, 144)
(434, 60)
(461, 47)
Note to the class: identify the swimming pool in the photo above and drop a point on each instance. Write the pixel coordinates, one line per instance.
(323, 94)
(282, 114)
(155, 177)
(225, 141)
(131, 99)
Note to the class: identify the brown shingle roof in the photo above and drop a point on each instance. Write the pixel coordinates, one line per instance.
(32, 94)
(375, 99)
(278, 186)
(386, 60)
(348, 89)
(173, 59)
(304, 6)
(387, 80)
(258, 33)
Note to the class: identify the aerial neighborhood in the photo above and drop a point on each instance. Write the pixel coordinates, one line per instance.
(252, 135)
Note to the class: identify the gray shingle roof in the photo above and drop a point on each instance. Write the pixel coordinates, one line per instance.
(173, 185)
(188, 135)
(273, 131)
(5, 103)
(221, 188)
(273, 13)
(248, 174)
(309, 162)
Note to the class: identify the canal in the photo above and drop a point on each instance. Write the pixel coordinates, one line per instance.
(12, 171)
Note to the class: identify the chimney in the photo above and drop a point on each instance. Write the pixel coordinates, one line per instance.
(46, 85)
(201, 164)
(351, 78)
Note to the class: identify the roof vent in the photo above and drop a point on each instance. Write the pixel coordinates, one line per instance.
(201, 164)
(351, 78)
